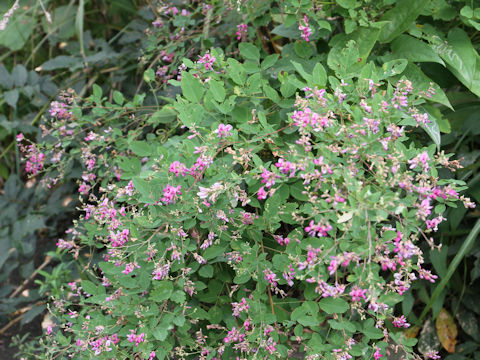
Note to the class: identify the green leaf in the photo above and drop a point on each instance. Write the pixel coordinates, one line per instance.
(269, 61)
(217, 89)
(422, 82)
(236, 71)
(249, 51)
(89, 287)
(461, 58)
(61, 62)
(178, 296)
(149, 76)
(301, 71)
(271, 93)
(333, 305)
(319, 75)
(141, 186)
(19, 75)
(303, 49)
(141, 148)
(432, 128)
(118, 97)
(191, 87)
(412, 49)
(11, 97)
(6, 80)
(164, 116)
(400, 18)
(162, 291)
(394, 67)
(347, 4)
(97, 93)
(206, 271)
(370, 331)
(18, 30)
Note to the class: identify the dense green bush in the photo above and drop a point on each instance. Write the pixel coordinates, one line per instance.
(284, 202)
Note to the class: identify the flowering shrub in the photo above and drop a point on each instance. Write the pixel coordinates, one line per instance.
(284, 215)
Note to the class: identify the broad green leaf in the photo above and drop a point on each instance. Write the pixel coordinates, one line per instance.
(432, 128)
(206, 271)
(164, 116)
(18, 30)
(400, 18)
(351, 56)
(141, 186)
(303, 49)
(61, 62)
(89, 287)
(269, 61)
(236, 71)
(141, 148)
(63, 21)
(436, 114)
(271, 93)
(178, 296)
(11, 97)
(394, 67)
(333, 305)
(290, 32)
(461, 58)
(162, 291)
(422, 82)
(149, 75)
(319, 75)
(191, 87)
(249, 51)
(412, 49)
(118, 97)
(19, 75)
(217, 89)
(301, 71)
(347, 4)
(370, 331)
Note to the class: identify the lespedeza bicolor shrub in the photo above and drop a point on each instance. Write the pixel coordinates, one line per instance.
(268, 225)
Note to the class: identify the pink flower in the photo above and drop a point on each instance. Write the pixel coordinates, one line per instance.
(377, 355)
(170, 194)
(20, 137)
(318, 230)
(305, 29)
(400, 322)
(358, 293)
(223, 130)
(208, 60)
(242, 31)
(262, 194)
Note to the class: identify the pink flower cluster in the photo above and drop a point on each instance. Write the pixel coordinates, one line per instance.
(208, 61)
(305, 29)
(239, 307)
(303, 118)
(35, 159)
(170, 194)
(136, 338)
(242, 31)
(358, 293)
(223, 130)
(59, 110)
(318, 230)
